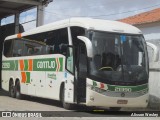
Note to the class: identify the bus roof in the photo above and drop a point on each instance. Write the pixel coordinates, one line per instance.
(88, 23)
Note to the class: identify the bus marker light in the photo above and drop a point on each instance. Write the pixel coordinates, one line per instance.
(122, 101)
(19, 35)
(91, 98)
(101, 85)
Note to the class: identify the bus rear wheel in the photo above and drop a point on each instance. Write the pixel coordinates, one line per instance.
(18, 90)
(65, 105)
(11, 89)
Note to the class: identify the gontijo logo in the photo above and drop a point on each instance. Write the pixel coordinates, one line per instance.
(47, 64)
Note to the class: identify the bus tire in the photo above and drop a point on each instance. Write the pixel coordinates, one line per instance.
(11, 89)
(18, 90)
(65, 105)
(115, 108)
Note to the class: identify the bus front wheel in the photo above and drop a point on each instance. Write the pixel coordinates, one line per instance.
(67, 106)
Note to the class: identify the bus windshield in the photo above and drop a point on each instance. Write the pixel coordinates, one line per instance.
(118, 58)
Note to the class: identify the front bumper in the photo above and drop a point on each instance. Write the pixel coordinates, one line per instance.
(96, 99)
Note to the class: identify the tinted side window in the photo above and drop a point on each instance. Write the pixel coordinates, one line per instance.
(33, 48)
(62, 35)
(8, 48)
(49, 42)
(17, 48)
(77, 31)
(82, 61)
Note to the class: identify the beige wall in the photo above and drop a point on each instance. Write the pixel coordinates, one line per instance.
(151, 30)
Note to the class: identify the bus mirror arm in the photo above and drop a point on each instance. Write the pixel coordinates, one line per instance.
(88, 44)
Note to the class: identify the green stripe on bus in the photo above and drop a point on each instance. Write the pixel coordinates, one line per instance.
(8, 65)
(61, 64)
(94, 83)
(46, 64)
(25, 65)
(28, 77)
(16, 65)
(117, 87)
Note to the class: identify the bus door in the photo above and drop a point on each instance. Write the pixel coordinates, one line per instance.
(69, 76)
(81, 65)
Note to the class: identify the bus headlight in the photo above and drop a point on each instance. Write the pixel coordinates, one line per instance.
(97, 89)
(143, 91)
(91, 98)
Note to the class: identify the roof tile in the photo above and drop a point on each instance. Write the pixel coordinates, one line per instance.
(146, 17)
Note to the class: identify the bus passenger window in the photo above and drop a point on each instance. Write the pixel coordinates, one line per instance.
(62, 38)
(76, 31)
(19, 52)
(48, 42)
(49, 49)
(17, 48)
(38, 50)
(30, 51)
(8, 48)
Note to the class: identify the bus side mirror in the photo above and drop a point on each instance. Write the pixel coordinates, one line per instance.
(88, 44)
(155, 56)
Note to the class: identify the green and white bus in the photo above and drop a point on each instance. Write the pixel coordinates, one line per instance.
(79, 61)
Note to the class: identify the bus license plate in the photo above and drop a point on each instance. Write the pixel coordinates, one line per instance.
(122, 101)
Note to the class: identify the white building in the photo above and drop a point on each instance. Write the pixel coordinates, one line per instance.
(147, 22)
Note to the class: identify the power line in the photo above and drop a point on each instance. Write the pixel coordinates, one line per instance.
(127, 11)
(90, 6)
(56, 13)
(104, 14)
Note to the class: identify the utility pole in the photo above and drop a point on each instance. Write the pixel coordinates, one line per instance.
(17, 22)
(40, 12)
(40, 15)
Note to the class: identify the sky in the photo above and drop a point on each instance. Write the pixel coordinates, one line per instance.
(102, 9)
